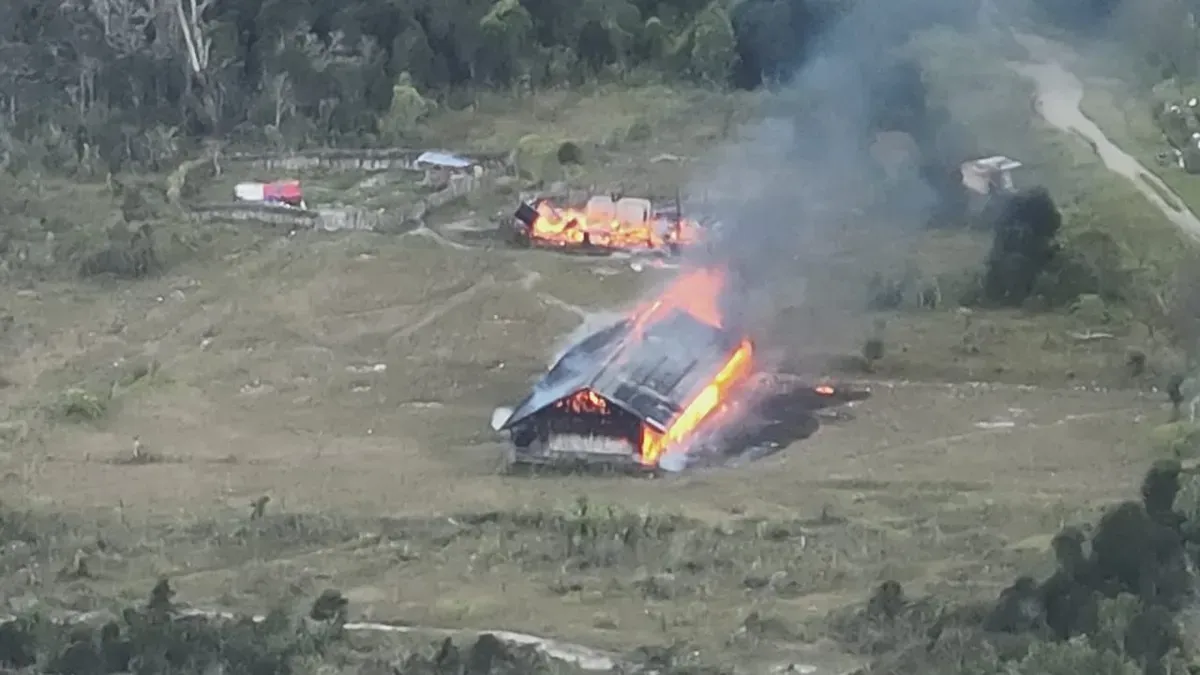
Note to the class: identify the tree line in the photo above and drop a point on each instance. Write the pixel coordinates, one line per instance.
(117, 81)
(107, 83)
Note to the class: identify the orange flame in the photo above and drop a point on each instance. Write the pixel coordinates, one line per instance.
(574, 227)
(824, 390)
(699, 293)
(584, 401)
(736, 368)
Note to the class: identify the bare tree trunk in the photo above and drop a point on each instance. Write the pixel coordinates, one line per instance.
(191, 22)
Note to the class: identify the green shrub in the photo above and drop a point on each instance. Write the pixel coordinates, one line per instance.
(157, 639)
(79, 405)
(1177, 439)
(542, 159)
(407, 110)
(1072, 658)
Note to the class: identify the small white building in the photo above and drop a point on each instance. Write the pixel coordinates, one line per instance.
(990, 174)
(440, 167)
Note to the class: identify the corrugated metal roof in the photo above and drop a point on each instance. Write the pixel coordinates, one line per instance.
(446, 159)
(652, 376)
(998, 162)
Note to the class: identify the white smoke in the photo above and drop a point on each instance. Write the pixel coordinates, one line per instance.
(674, 461)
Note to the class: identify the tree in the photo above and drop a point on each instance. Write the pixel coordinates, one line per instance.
(765, 44)
(506, 31)
(653, 40)
(595, 46)
(1182, 309)
(713, 46)
(625, 25)
(408, 107)
(411, 53)
(1023, 246)
(101, 74)
(1163, 34)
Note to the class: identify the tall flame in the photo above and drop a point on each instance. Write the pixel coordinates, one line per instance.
(736, 368)
(699, 293)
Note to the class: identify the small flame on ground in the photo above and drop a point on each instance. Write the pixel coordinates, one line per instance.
(578, 228)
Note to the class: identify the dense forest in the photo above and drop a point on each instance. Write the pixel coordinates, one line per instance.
(109, 82)
(124, 79)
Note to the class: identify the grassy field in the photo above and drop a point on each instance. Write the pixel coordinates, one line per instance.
(1124, 114)
(349, 378)
(1098, 205)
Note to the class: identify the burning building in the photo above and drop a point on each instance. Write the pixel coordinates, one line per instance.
(658, 383)
(604, 225)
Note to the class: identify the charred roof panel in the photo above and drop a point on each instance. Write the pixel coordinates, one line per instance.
(573, 371)
(656, 375)
(652, 376)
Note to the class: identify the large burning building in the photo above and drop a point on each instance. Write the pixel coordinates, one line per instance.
(604, 225)
(654, 384)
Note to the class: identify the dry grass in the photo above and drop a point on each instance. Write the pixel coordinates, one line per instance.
(350, 379)
(1124, 115)
(596, 115)
(270, 388)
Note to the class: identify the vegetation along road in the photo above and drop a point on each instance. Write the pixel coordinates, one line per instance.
(1059, 93)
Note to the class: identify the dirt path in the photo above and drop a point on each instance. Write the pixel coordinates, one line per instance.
(1059, 94)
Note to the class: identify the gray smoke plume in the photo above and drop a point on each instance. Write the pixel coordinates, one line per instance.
(786, 187)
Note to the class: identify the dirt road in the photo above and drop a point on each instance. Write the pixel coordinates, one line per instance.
(1059, 93)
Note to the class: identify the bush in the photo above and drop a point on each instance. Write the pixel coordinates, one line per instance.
(1072, 658)
(158, 638)
(128, 254)
(79, 405)
(713, 46)
(1091, 309)
(407, 109)
(1109, 610)
(542, 159)
(155, 638)
(1177, 439)
(1025, 228)
(569, 153)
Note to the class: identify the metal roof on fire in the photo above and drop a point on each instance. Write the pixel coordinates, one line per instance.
(652, 375)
